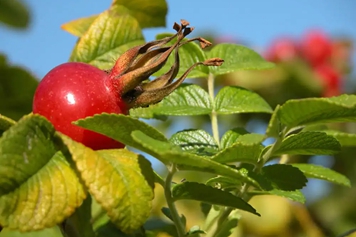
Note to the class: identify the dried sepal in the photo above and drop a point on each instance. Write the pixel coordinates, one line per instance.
(132, 70)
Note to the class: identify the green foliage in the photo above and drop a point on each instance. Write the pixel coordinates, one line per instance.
(18, 98)
(147, 13)
(51, 185)
(201, 192)
(14, 14)
(95, 46)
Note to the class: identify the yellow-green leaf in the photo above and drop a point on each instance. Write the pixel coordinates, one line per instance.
(79, 26)
(147, 13)
(120, 180)
(5, 123)
(45, 199)
(113, 32)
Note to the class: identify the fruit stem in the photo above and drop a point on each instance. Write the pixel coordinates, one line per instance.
(170, 201)
(213, 115)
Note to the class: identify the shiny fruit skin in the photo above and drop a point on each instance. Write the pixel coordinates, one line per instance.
(73, 91)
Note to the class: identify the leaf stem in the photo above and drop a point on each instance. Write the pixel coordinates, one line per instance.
(213, 115)
(170, 201)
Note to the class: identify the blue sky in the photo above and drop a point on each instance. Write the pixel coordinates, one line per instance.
(44, 45)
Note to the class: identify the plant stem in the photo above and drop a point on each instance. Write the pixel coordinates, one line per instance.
(170, 202)
(215, 228)
(213, 115)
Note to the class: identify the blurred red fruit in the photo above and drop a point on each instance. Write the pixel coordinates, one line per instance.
(330, 78)
(316, 47)
(283, 49)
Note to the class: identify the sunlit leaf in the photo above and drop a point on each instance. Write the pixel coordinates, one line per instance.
(319, 172)
(188, 99)
(79, 26)
(119, 127)
(120, 180)
(113, 32)
(44, 199)
(168, 153)
(24, 149)
(345, 139)
(208, 194)
(236, 57)
(233, 99)
(195, 141)
(309, 143)
(239, 152)
(318, 110)
(147, 13)
(240, 135)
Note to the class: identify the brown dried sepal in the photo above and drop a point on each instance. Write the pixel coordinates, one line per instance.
(134, 67)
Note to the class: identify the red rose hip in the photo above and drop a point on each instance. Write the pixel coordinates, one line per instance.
(73, 91)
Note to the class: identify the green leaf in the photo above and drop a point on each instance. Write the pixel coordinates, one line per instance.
(240, 146)
(284, 177)
(188, 99)
(237, 57)
(16, 100)
(195, 141)
(239, 152)
(5, 123)
(189, 54)
(80, 224)
(231, 136)
(79, 26)
(233, 99)
(111, 34)
(204, 193)
(223, 182)
(240, 135)
(119, 127)
(25, 148)
(169, 153)
(274, 126)
(345, 139)
(318, 110)
(146, 113)
(296, 196)
(44, 199)
(55, 231)
(319, 172)
(147, 13)
(309, 143)
(120, 180)
(14, 13)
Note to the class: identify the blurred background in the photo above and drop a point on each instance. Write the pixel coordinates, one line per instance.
(311, 43)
